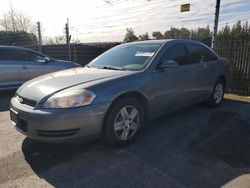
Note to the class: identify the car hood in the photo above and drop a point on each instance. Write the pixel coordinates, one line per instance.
(48, 84)
(68, 63)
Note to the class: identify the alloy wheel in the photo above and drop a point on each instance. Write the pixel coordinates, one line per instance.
(126, 122)
(218, 93)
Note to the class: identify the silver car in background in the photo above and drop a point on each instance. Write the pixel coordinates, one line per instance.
(118, 91)
(17, 65)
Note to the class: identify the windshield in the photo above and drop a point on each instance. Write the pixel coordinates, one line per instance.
(128, 56)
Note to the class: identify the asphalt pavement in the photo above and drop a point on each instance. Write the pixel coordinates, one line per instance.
(195, 147)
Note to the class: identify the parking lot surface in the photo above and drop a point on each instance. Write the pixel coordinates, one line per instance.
(195, 147)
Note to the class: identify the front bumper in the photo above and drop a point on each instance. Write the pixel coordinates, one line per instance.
(58, 125)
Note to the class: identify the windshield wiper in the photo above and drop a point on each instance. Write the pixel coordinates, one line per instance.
(110, 67)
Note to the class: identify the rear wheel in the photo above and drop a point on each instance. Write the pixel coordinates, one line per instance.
(217, 94)
(123, 122)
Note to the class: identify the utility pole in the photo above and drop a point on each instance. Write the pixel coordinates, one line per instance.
(216, 21)
(68, 37)
(39, 37)
(12, 17)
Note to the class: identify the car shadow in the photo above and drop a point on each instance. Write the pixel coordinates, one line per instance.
(43, 156)
(5, 97)
(194, 147)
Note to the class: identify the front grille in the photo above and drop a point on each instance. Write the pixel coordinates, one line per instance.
(29, 102)
(61, 133)
(22, 125)
(26, 101)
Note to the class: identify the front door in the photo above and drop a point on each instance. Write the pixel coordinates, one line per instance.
(9, 75)
(172, 88)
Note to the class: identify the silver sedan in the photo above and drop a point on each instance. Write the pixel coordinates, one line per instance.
(117, 92)
(17, 65)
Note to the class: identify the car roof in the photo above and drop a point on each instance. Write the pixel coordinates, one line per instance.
(165, 41)
(14, 47)
(160, 41)
(19, 48)
(22, 48)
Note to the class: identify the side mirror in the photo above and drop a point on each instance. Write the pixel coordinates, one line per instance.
(169, 64)
(47, 60)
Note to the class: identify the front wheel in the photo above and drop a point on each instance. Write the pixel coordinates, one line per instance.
(123, 122)
(217, 94)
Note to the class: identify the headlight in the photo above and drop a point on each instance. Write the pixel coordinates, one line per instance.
(69, 99)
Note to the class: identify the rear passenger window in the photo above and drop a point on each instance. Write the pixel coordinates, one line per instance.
(211, 56)
(19, 55)
(177, 53)
(13, 55)
(31, 56)
(7, 55)
(198, 54)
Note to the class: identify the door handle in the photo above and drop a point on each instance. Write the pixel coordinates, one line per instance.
(25, 67)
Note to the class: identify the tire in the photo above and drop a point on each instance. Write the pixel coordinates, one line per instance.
(217, 94)
(121, 126)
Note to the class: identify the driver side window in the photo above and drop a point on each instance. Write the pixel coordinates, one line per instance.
(24, 55)
(177, 53)
(31, 56)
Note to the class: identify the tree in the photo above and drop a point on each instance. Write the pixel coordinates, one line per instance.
(16, 21)
(130, 35)
(75, 41)
(59, 40)
(184, 33)
(237, 30)
(177, 33)
(157, 35)
(172, 33)
(17, 38)
(54, 40)
(225, 31)
(203, 32)
(144, 36)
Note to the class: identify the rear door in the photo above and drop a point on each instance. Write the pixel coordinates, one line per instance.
(9, 64)
(173, 87)
(205, 63)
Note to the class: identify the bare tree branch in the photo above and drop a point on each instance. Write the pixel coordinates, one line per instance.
(16, 21)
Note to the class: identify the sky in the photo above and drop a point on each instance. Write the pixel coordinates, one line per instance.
(97, 21)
